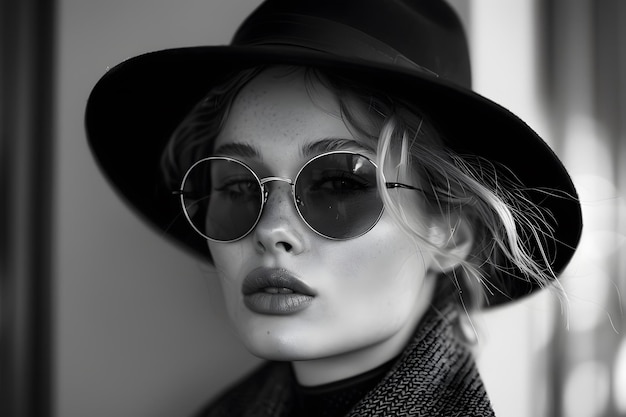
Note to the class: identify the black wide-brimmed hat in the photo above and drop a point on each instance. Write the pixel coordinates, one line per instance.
(415, 50)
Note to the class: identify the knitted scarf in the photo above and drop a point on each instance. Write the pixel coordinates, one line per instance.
(434, 376)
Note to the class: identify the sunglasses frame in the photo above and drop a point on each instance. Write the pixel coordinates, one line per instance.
(265, 193)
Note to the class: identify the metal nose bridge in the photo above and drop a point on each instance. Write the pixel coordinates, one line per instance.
(270, 179)
(265, 180)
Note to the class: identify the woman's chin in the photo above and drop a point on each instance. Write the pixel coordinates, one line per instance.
(284, 346)
(294, 346)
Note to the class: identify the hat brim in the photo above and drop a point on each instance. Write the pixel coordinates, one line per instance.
(135, 107)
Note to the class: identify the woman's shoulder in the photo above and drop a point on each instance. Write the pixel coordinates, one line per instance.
(262, 392)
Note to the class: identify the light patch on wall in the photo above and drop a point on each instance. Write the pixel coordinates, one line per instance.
(586, 390)
(619, 378)
(588, 285)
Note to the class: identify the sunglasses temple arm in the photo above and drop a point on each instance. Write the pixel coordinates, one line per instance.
(430, 193)
(401, 185)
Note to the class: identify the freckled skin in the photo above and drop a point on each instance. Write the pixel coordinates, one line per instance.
(371, 290)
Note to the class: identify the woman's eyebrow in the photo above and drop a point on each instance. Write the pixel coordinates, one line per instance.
(333, 144)
(238, 149)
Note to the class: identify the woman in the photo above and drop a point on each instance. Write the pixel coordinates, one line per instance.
(356, 198)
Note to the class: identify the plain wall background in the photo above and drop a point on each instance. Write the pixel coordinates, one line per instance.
(140, 330)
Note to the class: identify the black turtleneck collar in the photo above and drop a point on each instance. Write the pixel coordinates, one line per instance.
(336, 398)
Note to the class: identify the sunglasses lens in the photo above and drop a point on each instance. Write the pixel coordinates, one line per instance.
(337, 195)
(222, 199)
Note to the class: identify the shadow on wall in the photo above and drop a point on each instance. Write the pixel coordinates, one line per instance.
(26, 144)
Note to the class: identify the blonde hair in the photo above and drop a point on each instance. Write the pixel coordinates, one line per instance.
(511, 234)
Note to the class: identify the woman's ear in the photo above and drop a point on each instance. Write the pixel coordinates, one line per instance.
(454, 240)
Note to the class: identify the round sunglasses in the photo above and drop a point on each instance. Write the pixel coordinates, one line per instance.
(335, 193)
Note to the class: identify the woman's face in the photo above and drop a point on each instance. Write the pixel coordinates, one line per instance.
(292, 294)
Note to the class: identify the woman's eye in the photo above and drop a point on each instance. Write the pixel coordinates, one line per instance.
(342, 182)
(238, 189)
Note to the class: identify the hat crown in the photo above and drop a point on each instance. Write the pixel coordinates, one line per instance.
(423, 35)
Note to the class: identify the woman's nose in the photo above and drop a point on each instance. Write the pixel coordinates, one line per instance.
(280, 229)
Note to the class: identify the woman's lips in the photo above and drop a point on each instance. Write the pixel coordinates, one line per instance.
(275, 291)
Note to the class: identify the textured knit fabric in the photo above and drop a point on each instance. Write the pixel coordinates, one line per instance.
(434, 376)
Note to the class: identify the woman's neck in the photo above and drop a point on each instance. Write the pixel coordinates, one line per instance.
(335, 368)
